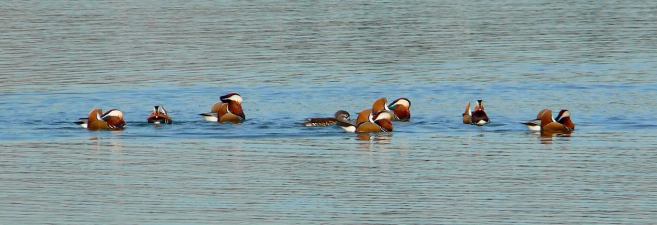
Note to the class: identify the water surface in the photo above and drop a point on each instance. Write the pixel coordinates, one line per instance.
(296, 59)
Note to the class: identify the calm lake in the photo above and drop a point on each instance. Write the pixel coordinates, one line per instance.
(291, 60)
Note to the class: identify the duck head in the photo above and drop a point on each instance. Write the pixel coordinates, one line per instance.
(159, 115)
(384, 120)
(562, 114)
(342, 115)
(114, 119)
(401, 108)
(234, 102)
(564, 118)
(480, 105)
(159, 110)
(231, 97)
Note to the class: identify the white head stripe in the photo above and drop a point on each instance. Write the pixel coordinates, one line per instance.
(384, 115)
(403, 102)
(114, 112)
(236, 98)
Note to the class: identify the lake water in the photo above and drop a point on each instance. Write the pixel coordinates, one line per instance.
(296, 59)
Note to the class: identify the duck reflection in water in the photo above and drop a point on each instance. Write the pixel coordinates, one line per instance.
(374, 141)
(550, 139)
(377, 138)
(113, 144)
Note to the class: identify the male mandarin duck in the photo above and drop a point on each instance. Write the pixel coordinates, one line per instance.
(159, 115)
(549, 126)
(228, 110)
(563, 118)
(97, 120)
(479, 116)
(379, 122)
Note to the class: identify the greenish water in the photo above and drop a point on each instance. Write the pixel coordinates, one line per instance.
(296, 59)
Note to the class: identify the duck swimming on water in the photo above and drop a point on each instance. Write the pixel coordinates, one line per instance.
(97, 120)
(340, 115)
(228, 110)
(550, 126)
(159, 116)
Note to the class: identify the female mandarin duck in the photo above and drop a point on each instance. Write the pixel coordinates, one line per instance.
(478, 117)
(97, 120)
(563, 118)
(228, 110)
(401, 108)
(159, 115)
(340, 115)
(550, 126)
(379, 122)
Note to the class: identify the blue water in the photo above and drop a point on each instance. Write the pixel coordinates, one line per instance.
(292, 60)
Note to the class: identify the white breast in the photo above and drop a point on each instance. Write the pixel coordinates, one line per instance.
(534, 127)
(210, 117)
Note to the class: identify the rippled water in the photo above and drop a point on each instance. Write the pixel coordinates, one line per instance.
(296, 59)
